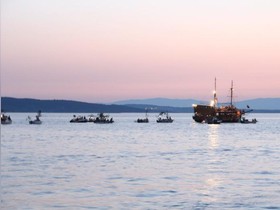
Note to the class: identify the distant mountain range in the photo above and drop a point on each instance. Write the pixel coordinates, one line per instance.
(259, 103)
(9, 104)
(162, 102)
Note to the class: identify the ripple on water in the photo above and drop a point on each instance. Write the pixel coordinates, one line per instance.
(125, 165)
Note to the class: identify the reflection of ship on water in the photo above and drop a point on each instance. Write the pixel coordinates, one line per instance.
(226, 114)
(213, 136)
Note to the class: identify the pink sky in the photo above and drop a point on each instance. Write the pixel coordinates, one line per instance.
(102, 51)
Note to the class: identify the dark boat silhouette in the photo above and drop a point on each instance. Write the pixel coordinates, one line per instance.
(78, 119)
(143, 120)
(246, 121)
(103, 119)
(5, 119)
(37, 120)
(163, 117)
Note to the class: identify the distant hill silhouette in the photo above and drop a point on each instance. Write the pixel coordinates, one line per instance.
(156, 109)
(162, 102)
(259, 103)
(9, 104)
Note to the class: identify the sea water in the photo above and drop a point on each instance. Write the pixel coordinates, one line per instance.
(127, 165)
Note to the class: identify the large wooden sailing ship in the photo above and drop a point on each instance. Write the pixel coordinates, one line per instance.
(226, 114)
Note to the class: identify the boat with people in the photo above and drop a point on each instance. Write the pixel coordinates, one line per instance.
(103, 119)
(91, 118)
(163, 117)
(213, 120)
(78, 119)
(37, 120)
(5, 119)
(143, 120)
(246, 121)
(225, 114)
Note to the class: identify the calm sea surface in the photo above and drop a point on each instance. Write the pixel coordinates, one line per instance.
(126, 165)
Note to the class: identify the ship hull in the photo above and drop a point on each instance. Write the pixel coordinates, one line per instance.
(229, 114)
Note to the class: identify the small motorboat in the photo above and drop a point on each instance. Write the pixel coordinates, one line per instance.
(37, 120)
(143, 120)
(246, 121)
(163, 117)
(103, 119)
(91, 118)
(213, 120)
(5, 120)
(78, 119)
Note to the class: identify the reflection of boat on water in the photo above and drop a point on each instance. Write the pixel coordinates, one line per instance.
(103, 119)
(143, 120)
(37, 120)
(246, 121)
(226, 114)
(5, 119)
(78, 119)
(163, 117)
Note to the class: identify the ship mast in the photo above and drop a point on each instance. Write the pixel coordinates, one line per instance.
(231, 93)
(215, 95)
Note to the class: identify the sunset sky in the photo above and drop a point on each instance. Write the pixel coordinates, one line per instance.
(108, 50)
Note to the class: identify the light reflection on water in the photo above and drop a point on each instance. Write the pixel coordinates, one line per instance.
(125, 165)
(213, 136)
